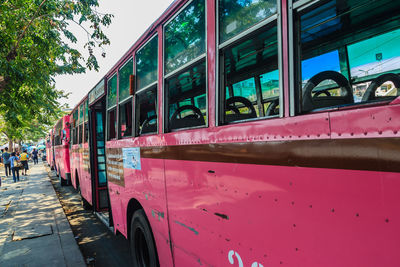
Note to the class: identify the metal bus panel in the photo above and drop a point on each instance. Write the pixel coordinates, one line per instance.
(61, 156)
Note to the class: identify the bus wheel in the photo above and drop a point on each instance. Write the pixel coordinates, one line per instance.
(84, 203)
(143, 250)
(62, 181)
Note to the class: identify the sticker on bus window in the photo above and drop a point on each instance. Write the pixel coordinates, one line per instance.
(131, 158)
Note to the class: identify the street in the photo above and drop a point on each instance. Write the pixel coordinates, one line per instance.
(98, 245)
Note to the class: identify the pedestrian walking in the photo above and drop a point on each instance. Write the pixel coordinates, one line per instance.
(35, 156)
(6, 161)
(24, 160)
(14, 160)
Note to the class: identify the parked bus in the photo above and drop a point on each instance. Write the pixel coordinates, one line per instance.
(255, 133)
(49, 148)
(90, 184)
(61, 137)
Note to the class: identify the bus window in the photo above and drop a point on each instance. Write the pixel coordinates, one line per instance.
(185, 69)
(146, 114)
(237, 16)
(74, 127)
(86, 122)
(182, 91)
(111, 107)
(146, 96)
(81, 118)
(249, 83)
(125, 118)
(112, 124)
(185, 36)
(125, 100)
(349, 53)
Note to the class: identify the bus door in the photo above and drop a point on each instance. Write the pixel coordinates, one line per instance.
(98, 160)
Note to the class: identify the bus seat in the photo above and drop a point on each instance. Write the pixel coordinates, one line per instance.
(377, 82)
(192, 120)
(237, 116)
(311, 102)
(148, 127)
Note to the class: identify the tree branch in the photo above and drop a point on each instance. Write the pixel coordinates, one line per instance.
(13, 52)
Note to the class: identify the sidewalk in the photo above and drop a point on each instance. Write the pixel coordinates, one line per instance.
(34, 230)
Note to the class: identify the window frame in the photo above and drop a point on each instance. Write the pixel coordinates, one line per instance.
(136, 120)
(135, 64)
(187, 65)
(295, 61)
(108, 109)
(219, 94)
(118, 78)
(122, 103)
(147, 87)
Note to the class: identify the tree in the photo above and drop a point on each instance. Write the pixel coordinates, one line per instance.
(35, 46)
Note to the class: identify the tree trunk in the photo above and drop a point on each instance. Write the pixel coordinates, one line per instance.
(10, 144)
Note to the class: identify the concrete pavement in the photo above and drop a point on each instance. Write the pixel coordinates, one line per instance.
(34, 230)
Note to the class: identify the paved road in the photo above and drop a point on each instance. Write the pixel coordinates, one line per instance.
(98, 245)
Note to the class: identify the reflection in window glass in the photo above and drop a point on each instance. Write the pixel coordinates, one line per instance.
(182, 90)
(112, 92)
(146, 115)
(123, 76)
(81, 108)
(270, 84)
(86, 110)
(147, 63)
(375, 55)
(239, 15)
(185, 36)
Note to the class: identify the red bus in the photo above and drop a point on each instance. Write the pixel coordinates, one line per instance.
(61, 137)
(256, 133)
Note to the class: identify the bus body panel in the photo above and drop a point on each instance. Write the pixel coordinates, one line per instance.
(84, 174)
(298, 207)
(49, 149)
(273, 214)
(61, 152)
(75, 159)
(147, 186)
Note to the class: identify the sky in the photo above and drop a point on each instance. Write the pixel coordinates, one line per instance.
(131, 19)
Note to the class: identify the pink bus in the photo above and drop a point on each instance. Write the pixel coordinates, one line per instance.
(49, 148)
(61, 150)
(256, 133)
(90, 184)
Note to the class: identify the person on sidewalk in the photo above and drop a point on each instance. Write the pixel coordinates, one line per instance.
(14, 168)
(35, 156)
(6, 161)
(24, 160)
